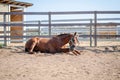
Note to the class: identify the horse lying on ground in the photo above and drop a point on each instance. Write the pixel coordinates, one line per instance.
(52, 45)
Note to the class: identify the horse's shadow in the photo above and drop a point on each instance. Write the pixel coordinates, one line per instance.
(21, 50)
(103, 49)
(16, 49)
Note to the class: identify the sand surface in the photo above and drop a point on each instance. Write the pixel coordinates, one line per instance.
(92, 64)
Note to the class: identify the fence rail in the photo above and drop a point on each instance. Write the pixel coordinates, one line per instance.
(57, 24)
(59, 13)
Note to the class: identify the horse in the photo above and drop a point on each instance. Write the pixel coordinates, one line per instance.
(52, 45)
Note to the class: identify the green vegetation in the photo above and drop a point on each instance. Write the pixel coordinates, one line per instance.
(1, 45)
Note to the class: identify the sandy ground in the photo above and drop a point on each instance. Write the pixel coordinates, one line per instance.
(92, 64)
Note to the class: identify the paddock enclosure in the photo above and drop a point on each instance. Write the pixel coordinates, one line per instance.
(94, 28)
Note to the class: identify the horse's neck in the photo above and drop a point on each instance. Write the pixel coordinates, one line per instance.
(65, 40)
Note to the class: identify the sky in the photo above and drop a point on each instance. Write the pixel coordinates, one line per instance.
(72, 5)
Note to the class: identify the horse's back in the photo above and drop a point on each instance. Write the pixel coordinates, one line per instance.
(44, 40)
(43, 43)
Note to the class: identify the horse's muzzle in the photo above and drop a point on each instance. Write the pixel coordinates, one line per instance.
(72, 47)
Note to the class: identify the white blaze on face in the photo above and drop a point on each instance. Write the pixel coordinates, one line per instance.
(76, 41)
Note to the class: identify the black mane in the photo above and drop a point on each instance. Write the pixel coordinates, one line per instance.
(63, 34)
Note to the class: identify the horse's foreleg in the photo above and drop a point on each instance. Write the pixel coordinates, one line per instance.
(74, 52)
(65, 46)
(64, 50)
(77, 52)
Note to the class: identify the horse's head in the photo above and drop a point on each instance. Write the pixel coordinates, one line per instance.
(73, 41)
(68, 38)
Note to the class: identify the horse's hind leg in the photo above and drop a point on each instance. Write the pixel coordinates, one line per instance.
(32, 48)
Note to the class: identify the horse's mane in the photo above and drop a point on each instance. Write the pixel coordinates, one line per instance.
(63, 34)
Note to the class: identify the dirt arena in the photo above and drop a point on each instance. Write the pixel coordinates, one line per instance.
(92, 64)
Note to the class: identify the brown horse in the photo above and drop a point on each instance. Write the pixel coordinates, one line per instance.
(52, 45)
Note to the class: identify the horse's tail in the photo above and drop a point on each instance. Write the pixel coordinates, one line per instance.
(26, 50)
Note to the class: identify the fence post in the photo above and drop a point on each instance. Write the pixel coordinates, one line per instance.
(5, 40)
(49, 18)
(39, 28)
(95, 28)
(90, 32)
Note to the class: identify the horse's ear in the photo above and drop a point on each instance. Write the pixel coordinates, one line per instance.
(75, 33)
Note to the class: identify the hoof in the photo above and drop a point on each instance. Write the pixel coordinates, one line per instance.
(31, 53)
